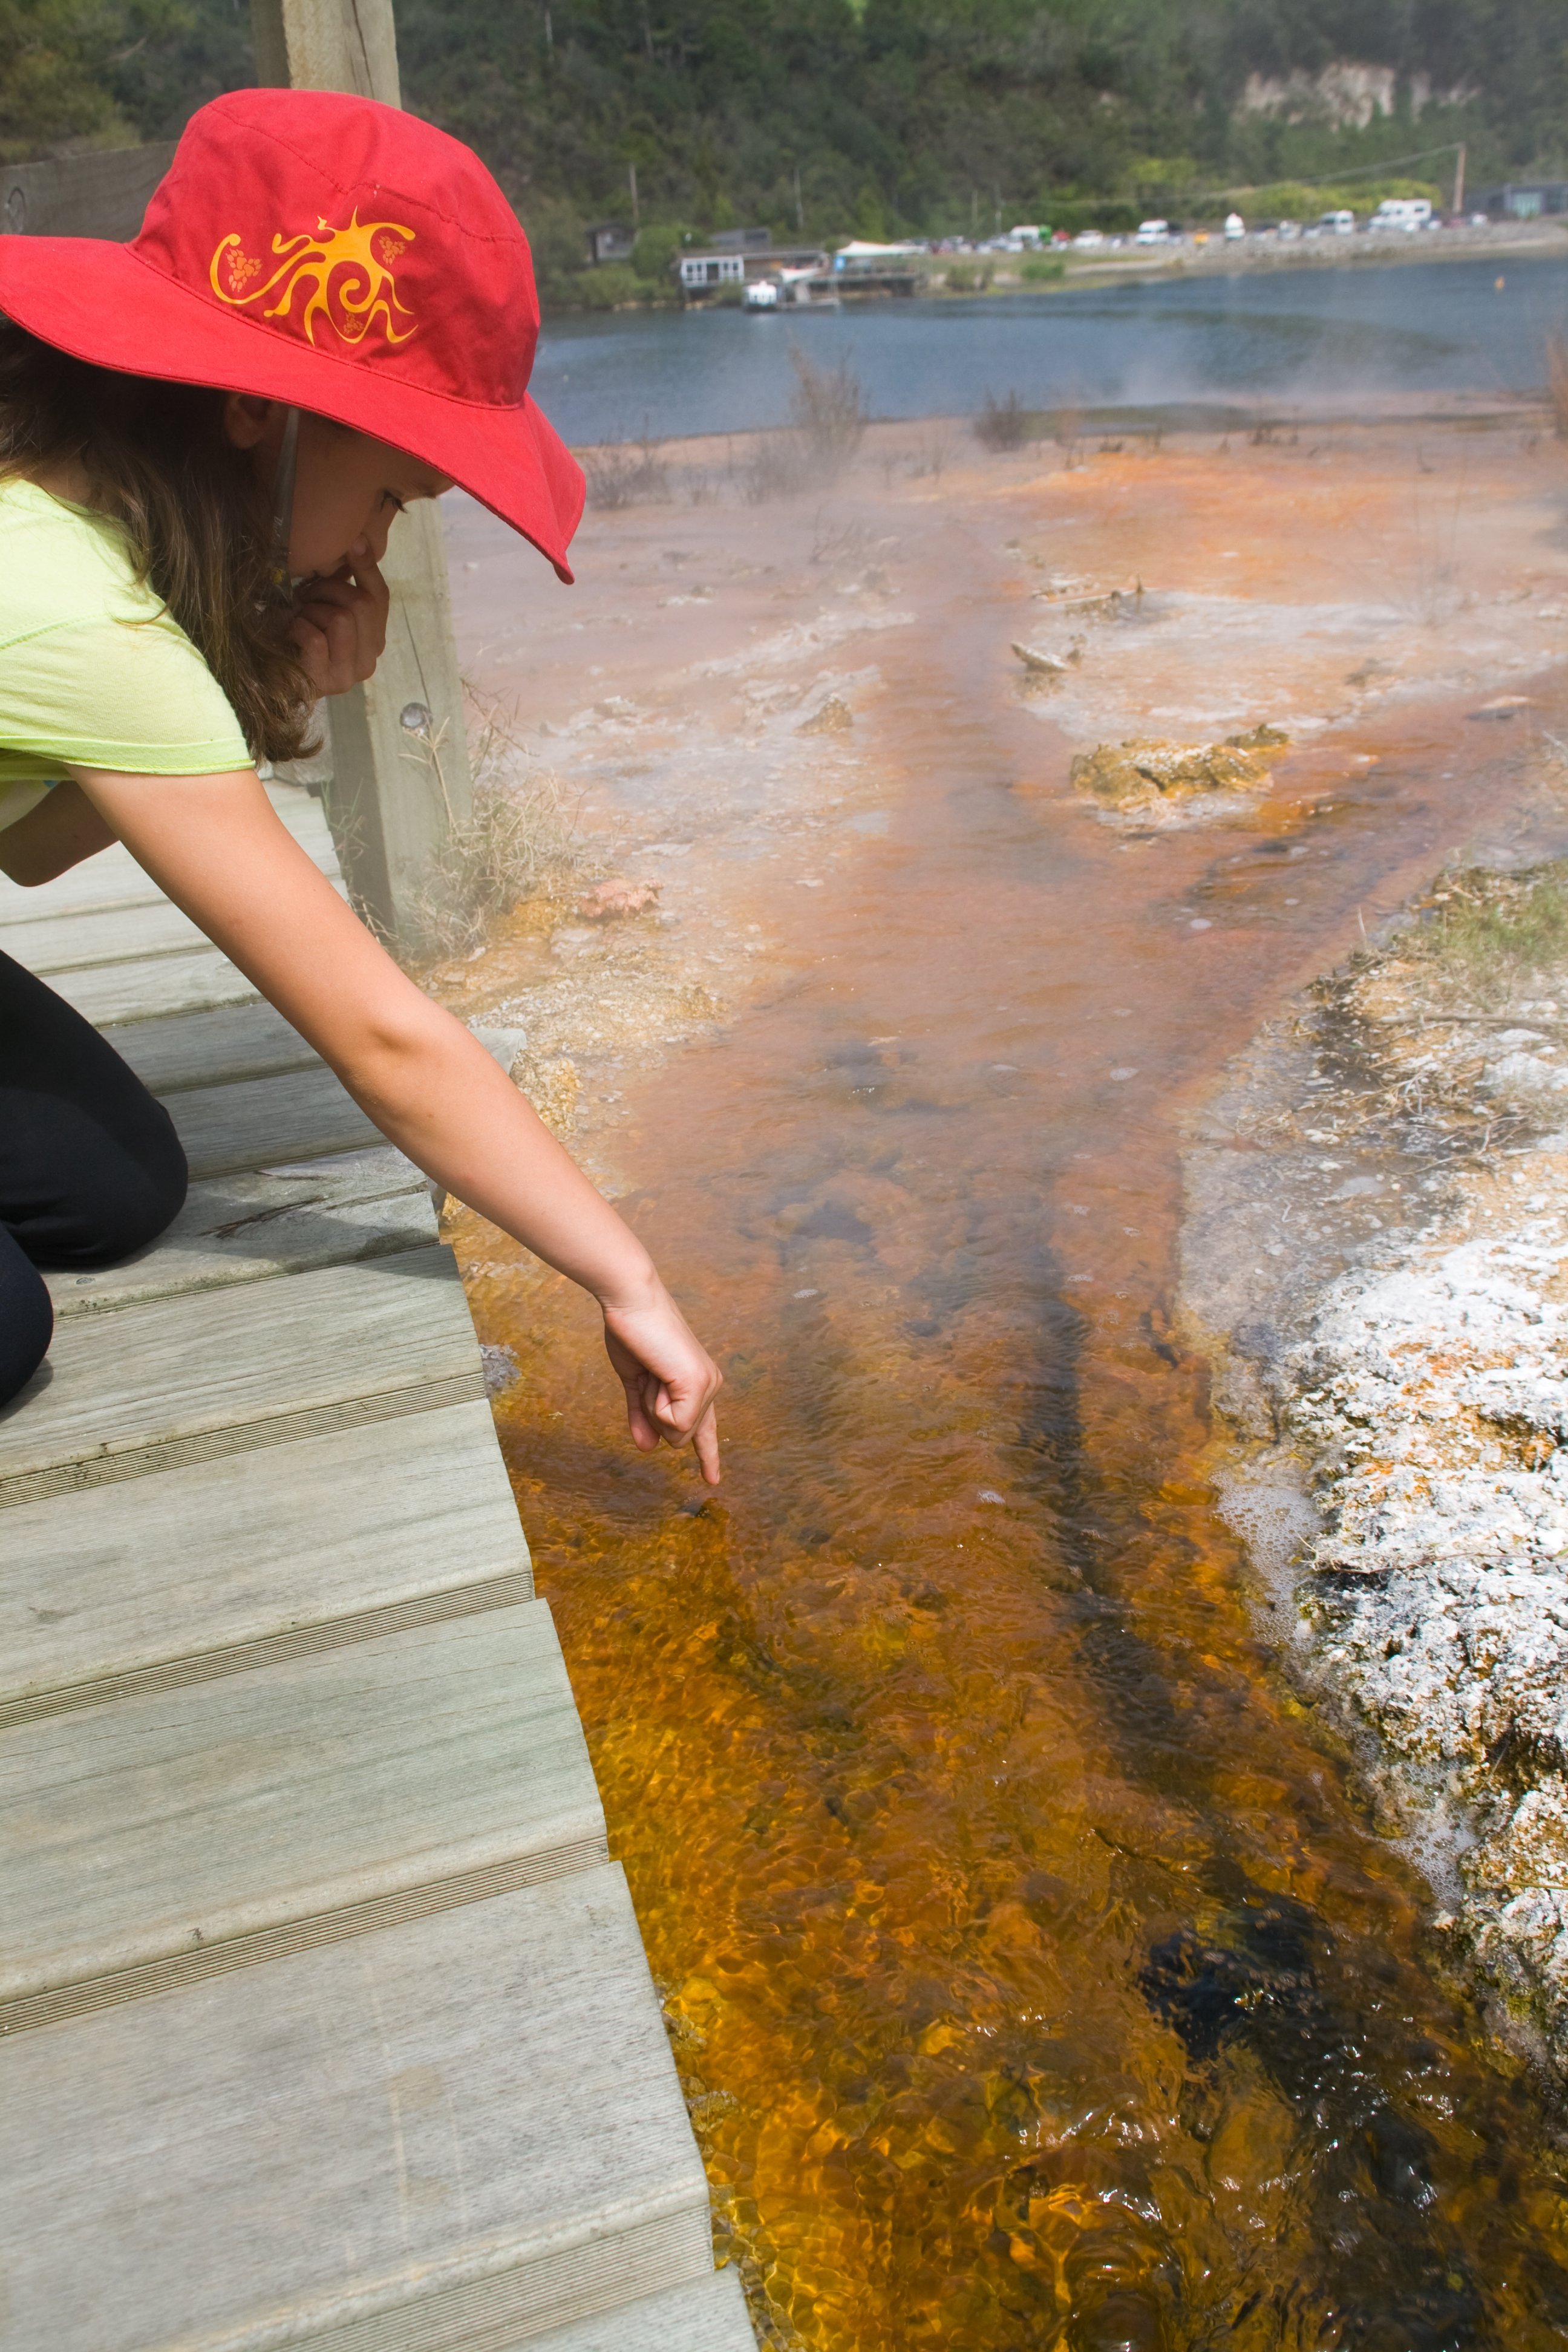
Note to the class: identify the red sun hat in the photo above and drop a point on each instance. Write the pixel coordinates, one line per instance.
(341, 256)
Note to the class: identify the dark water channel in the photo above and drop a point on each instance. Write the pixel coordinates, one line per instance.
(1034, 1978)
(1331, 339)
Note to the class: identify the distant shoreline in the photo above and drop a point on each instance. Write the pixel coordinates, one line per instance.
(1542, 240)
(1538, 240)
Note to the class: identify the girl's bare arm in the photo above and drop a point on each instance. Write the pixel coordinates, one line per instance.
(216, 845)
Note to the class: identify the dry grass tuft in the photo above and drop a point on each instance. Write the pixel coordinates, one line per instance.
(519, 843)
(827, 407)
(935, 452)
(627, 474)
(777, 467)
(1557, 381)
(1002, 424)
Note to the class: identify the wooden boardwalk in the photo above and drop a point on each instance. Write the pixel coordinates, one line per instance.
(323, 2013)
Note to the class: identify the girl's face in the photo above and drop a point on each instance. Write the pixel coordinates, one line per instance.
(348, 489)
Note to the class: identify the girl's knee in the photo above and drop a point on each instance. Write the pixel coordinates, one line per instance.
(116, 1188)
(138, 1192)
(26, 1319)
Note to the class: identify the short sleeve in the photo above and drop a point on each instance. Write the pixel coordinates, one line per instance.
(134, 697)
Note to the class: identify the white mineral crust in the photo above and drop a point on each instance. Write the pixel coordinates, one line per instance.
(1435, 1397)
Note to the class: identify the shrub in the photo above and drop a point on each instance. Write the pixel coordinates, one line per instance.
(828, 409)
(610, 286)
(625, 474)
(778, 468)
(970, 277)
(558, 239)
(654, 254)
(1113, 218)
(1490, 933)
(1002, 424)
(1043, 270)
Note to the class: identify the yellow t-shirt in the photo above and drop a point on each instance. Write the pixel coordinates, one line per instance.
(93, 671)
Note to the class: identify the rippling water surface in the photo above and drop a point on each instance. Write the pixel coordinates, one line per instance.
(1328, 337)
(1034, 1978)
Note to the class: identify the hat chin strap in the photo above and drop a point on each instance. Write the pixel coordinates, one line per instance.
(283, 503)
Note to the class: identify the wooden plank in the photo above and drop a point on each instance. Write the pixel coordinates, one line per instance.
(467, 2123)
(297, 1541)
(301, 1115)
(709, 2316)
(250, 1228)
(203, 1049)
(301, 1787)
(75, 941)
(189, 1380)
(80, 938)
(146, 990)
(111, 878)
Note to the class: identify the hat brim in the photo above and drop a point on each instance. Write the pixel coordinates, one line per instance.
(100, 302)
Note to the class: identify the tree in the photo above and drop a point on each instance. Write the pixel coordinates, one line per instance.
(56, 59)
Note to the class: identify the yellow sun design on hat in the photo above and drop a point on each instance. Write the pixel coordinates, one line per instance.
(360, 258)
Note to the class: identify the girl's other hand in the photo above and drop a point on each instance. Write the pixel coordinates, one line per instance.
(340, 621)
(669, 1379)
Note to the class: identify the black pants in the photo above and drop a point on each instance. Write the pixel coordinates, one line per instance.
(91, 1166)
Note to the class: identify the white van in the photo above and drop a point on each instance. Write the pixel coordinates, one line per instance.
(1153, 232)
(1407, 214)
(1336, 224)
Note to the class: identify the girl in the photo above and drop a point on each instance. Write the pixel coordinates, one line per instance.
(329, 312)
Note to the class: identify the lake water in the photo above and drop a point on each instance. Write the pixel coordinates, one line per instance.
(1331, 337)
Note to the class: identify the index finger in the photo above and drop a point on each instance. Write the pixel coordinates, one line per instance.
(367, 574)
(705, 1442)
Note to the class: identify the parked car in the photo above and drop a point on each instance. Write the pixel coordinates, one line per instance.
(1337, 224)
(1234, 227)
(1153, 232)
(1088, 239)
(1288, 232)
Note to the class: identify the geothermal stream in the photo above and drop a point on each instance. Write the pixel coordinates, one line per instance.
(1036, 1970)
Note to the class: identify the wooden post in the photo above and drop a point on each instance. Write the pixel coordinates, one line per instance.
(350, 45)
(398, 751)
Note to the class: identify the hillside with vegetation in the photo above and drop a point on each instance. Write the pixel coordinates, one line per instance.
(875, 118)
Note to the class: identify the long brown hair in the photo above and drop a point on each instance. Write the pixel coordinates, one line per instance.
(190, 507)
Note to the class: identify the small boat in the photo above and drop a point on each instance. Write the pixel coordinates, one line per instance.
(792, 290)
